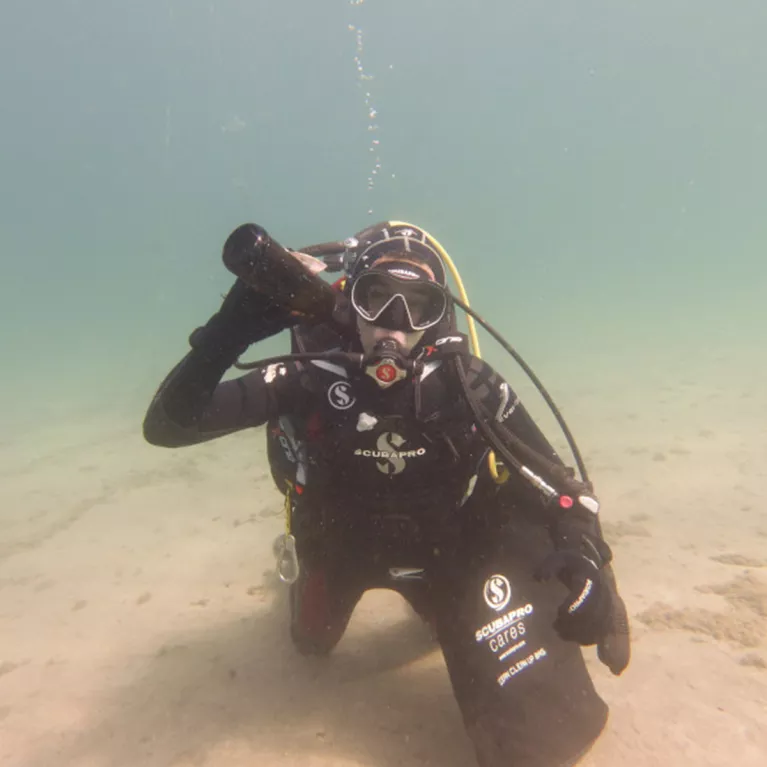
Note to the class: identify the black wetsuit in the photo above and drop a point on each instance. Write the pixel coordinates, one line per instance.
(391, 488)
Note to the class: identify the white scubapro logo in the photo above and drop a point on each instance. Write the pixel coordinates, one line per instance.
(341, 396)
(497, 592)
(388, 444)
(387, 448)
(406, 274)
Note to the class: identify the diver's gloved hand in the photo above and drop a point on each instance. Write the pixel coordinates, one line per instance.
(588, 614)
(245, 317)
(584, 617)
(593, 612)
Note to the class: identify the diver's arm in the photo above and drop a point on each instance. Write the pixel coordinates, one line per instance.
(193, 406)
(566, 506)
(503, 409)
(508, 418)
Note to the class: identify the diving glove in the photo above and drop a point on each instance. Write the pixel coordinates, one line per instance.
(584, 616)
(244, 318)
(593, 612)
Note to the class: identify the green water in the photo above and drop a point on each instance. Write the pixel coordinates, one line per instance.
(596, 169)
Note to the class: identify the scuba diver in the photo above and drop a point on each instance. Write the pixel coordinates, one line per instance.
(408, 463)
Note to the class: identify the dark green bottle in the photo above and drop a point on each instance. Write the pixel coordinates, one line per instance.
(263, 264)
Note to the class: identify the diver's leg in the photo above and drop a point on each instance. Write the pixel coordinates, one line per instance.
(525, 695)
(329, 585)
(321, 604)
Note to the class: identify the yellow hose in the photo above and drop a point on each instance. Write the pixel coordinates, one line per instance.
(500, 476)
(456, 278)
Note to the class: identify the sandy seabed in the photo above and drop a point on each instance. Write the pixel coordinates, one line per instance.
(141, 622)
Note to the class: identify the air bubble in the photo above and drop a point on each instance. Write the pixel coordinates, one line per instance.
(363, 78)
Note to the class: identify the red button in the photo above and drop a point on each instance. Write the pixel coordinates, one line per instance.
(566, 502)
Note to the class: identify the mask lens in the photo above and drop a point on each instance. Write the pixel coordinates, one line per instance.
(425, 302)
(374, 296)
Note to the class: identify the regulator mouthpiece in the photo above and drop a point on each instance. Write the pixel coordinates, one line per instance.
(387, 363)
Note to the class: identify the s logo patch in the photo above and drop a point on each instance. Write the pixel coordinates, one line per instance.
(341, 396)
(497, 592)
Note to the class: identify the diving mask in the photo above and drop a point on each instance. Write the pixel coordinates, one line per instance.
(398, 297)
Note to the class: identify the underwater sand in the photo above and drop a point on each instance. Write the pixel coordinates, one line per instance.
(141, 622)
